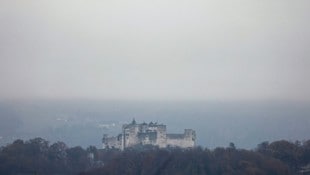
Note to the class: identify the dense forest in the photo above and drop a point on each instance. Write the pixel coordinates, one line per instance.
(38, 156)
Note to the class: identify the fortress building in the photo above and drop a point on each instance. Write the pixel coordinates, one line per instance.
(134, 134)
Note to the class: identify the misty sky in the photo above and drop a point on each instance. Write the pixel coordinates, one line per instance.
(155, 49)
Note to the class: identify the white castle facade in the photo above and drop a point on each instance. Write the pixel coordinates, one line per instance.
(134, 134)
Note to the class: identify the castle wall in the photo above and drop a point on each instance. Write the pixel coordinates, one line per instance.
(130, 135)
(149, 134)
(185, 140)
(161, 136)
(148, 138)
(112, 142)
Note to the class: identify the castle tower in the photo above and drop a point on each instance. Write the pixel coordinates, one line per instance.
(135, 134)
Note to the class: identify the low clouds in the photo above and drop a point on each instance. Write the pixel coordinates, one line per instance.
(253, 50)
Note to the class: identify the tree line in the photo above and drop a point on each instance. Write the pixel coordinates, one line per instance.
(38, 156)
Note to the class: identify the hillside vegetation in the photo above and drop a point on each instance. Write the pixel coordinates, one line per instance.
(37, 156)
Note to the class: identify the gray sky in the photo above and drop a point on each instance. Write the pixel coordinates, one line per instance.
(163, 49)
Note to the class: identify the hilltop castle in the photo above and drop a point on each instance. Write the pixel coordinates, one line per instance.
(134, 134)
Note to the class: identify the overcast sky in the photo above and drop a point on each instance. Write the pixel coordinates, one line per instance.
(155, 49)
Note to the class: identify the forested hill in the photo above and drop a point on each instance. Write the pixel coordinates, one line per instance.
(38, 156)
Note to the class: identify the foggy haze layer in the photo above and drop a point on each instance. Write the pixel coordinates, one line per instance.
(235, 71)
(163, 50)
(83, 123)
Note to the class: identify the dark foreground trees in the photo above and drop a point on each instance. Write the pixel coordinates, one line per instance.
(37, 156)
(221, 161)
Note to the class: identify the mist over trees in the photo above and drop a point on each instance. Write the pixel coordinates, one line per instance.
(38, 156)
(82, 123)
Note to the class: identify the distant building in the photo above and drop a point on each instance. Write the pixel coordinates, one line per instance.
(134, 134)
(305, 170)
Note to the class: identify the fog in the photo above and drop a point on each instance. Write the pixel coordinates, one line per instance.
(235, 71)
(216, 123)
(175, 50)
